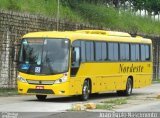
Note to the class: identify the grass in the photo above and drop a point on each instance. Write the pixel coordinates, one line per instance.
(104, 106)
(43, 7)
(8, 91)
(117, 101)
(124, 21)
(110, 104)
(98, 15)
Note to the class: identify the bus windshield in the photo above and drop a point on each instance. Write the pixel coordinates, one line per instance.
(44, 56)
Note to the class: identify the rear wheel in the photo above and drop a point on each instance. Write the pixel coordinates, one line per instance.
(128, 90)
(85, 91)
(41, 97)
(129, 87)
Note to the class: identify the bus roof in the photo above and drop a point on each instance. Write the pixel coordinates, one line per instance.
(99, 35)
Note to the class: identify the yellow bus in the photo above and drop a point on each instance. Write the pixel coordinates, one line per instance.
(83, 62)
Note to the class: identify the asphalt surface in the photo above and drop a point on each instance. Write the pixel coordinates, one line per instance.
(55, 107)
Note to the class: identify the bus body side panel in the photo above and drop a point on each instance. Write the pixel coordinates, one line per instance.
(103, 76)
(143, 78)
(109, 76)
(76, 85)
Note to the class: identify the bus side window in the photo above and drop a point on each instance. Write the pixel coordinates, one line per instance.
(148, 53)
(75, 56)
(75, 60)
(83, 51)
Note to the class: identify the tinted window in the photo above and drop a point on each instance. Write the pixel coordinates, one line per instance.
(98, 50)
(145, 52)
(135, 52)
(92, 51)
(113, 51)
(89, 51)
(104, 51)
(83, 53)
(76, 44)
(124, 52)
(110, 51)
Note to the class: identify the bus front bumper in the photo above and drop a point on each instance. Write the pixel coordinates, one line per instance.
(61, 89)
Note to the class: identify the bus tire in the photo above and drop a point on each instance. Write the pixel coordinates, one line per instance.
(85, 90)
(41, 97)
(128, 90)
(129, 87)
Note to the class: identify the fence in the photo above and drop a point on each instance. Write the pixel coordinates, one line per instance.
(14, 25)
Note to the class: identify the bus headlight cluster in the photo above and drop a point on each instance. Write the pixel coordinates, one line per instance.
(61, 80)
(21, 79)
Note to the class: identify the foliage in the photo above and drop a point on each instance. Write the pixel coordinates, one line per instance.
(12, 5)
(110, 104)
(110, 18)
(104, 106)
(116, 101)
(85, 11)
(149, 5)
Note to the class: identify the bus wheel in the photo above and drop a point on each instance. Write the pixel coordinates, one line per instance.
(85, 91)
(41, 97)
(128, 90)
(129, 87)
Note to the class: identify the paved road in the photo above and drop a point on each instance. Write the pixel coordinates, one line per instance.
(52, 104)
(147, 100)
(57, 106)
(149, 107)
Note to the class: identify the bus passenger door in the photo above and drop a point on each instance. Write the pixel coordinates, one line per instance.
(75, 60)
(75, 64)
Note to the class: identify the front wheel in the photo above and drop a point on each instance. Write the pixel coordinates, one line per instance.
(85, 91)
(41, 97)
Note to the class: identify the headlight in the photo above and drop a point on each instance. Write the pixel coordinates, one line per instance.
(21, 79)
(61, 80)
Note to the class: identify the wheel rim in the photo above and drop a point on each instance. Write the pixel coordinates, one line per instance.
(86, 90)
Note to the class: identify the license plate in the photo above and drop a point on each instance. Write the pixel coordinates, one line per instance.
(39, 87)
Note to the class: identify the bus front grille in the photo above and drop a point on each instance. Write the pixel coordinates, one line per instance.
(40, 91)
(41, 82)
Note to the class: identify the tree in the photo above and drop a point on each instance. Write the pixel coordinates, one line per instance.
(152, 6)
